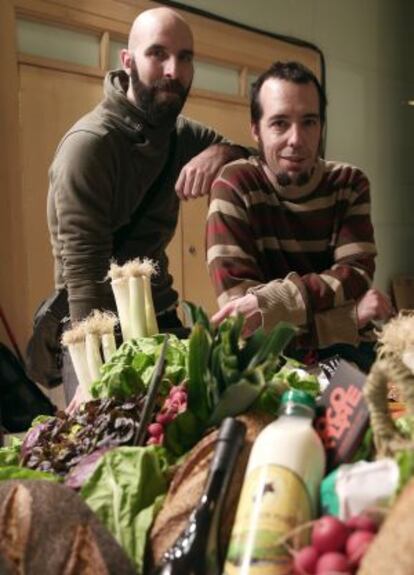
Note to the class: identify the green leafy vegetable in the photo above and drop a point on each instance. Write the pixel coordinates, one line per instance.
(10, 455)
(130, 368)
(125, 491)
(16, 472)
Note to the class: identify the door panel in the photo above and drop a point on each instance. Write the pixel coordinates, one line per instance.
(232, 120)
(50, 102)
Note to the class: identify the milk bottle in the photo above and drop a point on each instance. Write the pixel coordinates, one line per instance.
(280, 490)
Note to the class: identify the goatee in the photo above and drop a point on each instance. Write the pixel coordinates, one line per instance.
(284, 178)
(150, 98)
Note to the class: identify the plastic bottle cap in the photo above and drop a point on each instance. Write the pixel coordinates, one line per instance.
(298, 396)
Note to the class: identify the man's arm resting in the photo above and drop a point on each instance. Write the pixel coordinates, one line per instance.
(197, 176)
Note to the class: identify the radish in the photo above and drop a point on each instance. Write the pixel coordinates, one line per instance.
(362, 522)
(329, 534)
(357, 544)
(333, 562)
(304, 562)
(164, 418)
(155, 429)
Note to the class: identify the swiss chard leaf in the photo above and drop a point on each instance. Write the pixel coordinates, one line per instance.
(182, 433)
(274, 343)
(235, 400)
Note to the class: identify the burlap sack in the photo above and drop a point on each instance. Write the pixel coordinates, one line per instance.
(187, 486)
(392, 551)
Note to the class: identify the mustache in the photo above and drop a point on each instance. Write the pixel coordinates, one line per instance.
(170, 85)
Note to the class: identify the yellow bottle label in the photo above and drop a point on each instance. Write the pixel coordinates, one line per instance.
(273, 501)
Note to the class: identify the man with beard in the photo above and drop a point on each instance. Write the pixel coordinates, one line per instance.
(289, 234)
(112, 180)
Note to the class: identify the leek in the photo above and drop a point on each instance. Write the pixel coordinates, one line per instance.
(148, 270)
(74, 340)
(120, 288)
(131, 284)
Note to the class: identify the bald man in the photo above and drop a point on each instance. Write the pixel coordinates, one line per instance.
(118, 174)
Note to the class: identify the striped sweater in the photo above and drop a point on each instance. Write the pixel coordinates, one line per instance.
(307, 252)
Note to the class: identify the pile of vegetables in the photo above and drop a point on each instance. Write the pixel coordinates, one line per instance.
(214, 374)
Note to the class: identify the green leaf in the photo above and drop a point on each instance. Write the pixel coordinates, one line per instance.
(10, 455)
(198, 361)
(16, 472)
(251, 347)
(235, 400)
(182, 433)
(274, 343)
(124, 492)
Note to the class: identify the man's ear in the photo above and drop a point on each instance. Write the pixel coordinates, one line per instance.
(126, 60)
(254, 129)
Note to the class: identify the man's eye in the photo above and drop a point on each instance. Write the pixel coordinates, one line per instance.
(310, 122)
(279, 125)
(188, 58)
(157, 53)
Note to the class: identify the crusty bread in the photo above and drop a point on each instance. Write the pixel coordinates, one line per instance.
(47, 529)
(188, 483)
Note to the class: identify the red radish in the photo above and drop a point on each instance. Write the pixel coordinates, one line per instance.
(329, 534)
(155, 429)
(333, 562)
(164, 418)
(358, 542)
(362, 522)
(304, 562)
(179, 396)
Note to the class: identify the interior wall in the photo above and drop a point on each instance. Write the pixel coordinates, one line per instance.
(368, 47)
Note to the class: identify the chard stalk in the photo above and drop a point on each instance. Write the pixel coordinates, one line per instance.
(137, 306)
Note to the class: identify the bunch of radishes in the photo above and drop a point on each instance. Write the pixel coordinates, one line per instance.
(175, 403)
(337, 547)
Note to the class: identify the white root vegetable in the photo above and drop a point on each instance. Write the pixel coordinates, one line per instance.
(152, 325)
(137, 306)
(74, 340)
(108, 345)
(131, 284)
(93, 354)
(120, 287)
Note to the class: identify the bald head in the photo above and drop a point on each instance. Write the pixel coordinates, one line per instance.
(159, 20)
(159, 63)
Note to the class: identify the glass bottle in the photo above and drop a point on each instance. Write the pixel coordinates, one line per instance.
(279, 492)
(197, 550)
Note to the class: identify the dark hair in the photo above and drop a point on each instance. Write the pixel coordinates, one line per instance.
(291, 72)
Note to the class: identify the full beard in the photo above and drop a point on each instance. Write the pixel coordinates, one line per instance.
(150, 98)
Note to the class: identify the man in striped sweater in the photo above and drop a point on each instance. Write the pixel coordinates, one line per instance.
(289, 234)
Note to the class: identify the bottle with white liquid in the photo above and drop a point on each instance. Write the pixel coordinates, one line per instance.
(280, 490)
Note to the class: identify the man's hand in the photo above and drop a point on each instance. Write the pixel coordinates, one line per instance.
(374, 305)
(196, 177)
(246, 305)
(80, 397)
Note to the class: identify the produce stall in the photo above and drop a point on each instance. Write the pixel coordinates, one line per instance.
(111, 487)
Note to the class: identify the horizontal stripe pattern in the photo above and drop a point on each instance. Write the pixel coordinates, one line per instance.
(256, 234)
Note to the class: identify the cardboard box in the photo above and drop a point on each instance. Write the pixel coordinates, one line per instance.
(342, 415)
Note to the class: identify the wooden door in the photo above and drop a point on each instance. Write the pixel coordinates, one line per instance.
(51, 101)
(231, 119)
